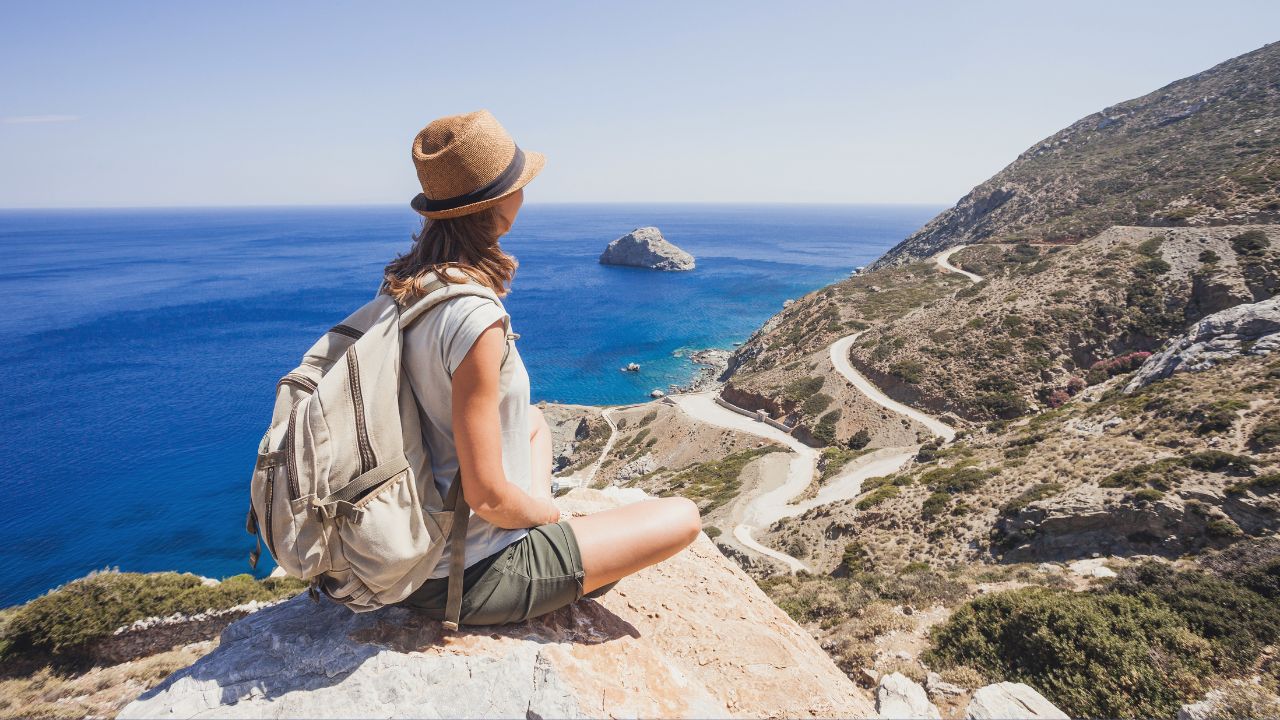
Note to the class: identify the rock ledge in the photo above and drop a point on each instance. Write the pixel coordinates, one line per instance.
(690, 637)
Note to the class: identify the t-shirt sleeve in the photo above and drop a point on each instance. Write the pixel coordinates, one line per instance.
(468, 317)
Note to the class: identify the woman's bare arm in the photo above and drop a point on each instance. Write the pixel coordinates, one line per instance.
(477, 433)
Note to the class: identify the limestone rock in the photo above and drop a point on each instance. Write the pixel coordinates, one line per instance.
(937, 686)
(1092, 568)
(899, 697)
(1008, 700)
(646, 248)
(690, 637)
(1253, 328)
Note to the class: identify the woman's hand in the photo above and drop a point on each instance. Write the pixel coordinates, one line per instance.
(477, 435)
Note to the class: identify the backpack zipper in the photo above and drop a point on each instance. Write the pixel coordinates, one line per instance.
(271, 484)
(290, 462)
(368, 460)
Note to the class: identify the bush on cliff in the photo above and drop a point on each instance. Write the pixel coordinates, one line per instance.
(1091, 654)
(1252, 242)
(1140, 646)
(60, 625)
(1236, 621)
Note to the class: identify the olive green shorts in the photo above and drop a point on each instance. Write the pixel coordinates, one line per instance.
(532, 576)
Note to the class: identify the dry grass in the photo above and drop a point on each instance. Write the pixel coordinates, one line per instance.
(100, 692)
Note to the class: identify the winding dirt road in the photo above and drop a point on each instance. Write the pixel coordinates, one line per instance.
(775, 504)
(584, 477)
(944, 261)
(840, 359)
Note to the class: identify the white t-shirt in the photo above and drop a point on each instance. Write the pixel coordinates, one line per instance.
(433, 348)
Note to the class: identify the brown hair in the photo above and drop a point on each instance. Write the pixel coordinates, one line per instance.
(468, 243)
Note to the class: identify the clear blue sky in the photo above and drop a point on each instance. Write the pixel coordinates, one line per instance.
(222, 103)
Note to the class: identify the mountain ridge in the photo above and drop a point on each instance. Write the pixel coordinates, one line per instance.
(1113, 167)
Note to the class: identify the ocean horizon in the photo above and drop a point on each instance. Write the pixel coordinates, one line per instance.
(144, 345)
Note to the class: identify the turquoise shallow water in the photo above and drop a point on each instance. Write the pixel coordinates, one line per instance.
(143, 346)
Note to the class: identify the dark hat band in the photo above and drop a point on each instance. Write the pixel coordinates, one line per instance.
(493, 189)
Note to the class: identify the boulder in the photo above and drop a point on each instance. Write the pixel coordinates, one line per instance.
(646, 248)
(934, 683)
(1252, 328)
(1010, 700)
(690, 637)
(899, 697)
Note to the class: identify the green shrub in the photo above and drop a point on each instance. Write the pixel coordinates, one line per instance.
(1091, 654)
(1216, 417)
(825, 430)
(928, 452)
(1003, 405)
(877, 496)
(1263, 579)
(712, 531)
(1221, 528)
(1037, 492)
(711, 484)
(859, 440)
(854, 557)
(1146, 495)
(1151, 246)
(816, 403)
(1209, 257)
(1237, 621)
(1253, 242)
(934, 505)
(799, 390)
(833, 458)
(60, 624)
(997, 383)
(1218, 461)
(909, 371)
(1265, 435)
(1153, 266)
(955, 479)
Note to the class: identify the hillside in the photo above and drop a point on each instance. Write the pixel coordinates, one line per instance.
(1204, 150)
(1041, 318)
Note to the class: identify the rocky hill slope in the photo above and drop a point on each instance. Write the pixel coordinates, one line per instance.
(1204, 150)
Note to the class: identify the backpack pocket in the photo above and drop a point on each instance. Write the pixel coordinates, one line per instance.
(388, 538)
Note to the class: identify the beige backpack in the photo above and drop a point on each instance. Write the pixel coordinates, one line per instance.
(342, 491)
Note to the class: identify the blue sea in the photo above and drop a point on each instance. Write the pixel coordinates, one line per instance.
(142, 346)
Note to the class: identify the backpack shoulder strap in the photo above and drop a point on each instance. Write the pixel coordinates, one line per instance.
(438, 291)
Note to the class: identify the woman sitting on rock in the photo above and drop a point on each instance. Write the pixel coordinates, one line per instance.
(522, 560)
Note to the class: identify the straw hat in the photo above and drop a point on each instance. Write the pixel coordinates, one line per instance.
(467, 163)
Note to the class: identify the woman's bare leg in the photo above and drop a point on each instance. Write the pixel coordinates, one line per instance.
(539, 453)
(618, 542)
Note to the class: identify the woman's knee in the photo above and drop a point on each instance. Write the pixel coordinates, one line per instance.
(686, 521)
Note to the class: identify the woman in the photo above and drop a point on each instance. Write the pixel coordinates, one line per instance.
(522, 559)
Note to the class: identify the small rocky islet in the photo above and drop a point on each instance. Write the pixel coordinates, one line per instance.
(645, 247)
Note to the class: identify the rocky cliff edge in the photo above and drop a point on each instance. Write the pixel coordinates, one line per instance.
(690, 637)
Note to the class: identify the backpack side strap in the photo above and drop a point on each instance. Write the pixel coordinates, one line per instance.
(457, 549)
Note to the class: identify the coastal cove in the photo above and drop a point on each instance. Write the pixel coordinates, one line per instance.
(143, 345)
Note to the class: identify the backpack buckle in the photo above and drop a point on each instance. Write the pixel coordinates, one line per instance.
(338, 509)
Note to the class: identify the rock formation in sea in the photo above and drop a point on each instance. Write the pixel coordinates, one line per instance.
(646, 248)
(690, 637)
